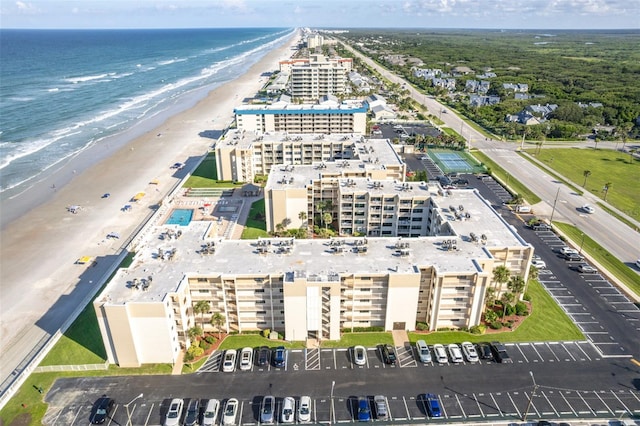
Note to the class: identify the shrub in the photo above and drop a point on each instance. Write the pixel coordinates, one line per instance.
(210, 339)
(521, 309)
(526, 297)
(510, 310)
(496, 325)
(478, 329)
(509, 323)
(266, 332)
(421, 326)
(366, 329)
(205, 346)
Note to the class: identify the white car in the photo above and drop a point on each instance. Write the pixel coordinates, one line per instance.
(246, 355)
(440, 353)
(174, 413)
(455, 353)
(423, 351)
(304, 410)
(288, 407)
(229, 361)
(539, 264)
(568, 250)
(359, 355)
(588, 209)
(469, 352)
(230, 412)
(210, 412)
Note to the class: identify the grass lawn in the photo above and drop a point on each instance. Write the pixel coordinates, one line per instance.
(205, 175)
(365, 339)
(603, 257)
(547, 322)
(256, 225)
(80, 344)
(605, 166)
(502, 174)
(256, 340)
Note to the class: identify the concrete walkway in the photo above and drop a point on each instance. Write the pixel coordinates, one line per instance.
(400, 338)
(177, 367)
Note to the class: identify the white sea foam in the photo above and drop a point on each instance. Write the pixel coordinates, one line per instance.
(76, 80)
(172, 61)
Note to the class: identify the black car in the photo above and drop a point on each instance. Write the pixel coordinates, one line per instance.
(101, 410)
(484, 351)
(279, 356)
(500, 353)
(193, 412)
(263, 356)
(388, 354)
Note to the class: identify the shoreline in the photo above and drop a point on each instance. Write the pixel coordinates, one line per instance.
(41, 284)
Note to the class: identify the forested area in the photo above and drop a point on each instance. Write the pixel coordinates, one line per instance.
(563, 68)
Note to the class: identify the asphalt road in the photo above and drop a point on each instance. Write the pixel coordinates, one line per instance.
(609, 232)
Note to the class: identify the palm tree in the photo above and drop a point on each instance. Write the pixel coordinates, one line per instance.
(516, 284)
(217, 320)
(586, 174)
(506, 300)
(501, 275)
(607, 187)
(490, 297)
(326, 218)
(533, 273)
(631, 152)
(303, 217)
(201, 307)
(517, 199)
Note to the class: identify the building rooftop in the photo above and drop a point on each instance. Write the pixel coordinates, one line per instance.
(287, 108)
(167, 253)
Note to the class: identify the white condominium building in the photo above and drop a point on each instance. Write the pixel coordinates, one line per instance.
(307, 288)
(242, 155)
(283, 116)
(317, 76)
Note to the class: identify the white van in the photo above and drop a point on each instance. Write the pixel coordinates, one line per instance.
(423, 351)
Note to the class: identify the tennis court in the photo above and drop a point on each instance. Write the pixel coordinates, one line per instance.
(453, 161)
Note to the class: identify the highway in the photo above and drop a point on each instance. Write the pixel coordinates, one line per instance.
(612, 234)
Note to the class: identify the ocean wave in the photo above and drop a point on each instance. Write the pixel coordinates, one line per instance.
(171, 61)
(28, 148)
(21, 98)
(76, 80)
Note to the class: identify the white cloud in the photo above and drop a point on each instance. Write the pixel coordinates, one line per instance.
(26, 8)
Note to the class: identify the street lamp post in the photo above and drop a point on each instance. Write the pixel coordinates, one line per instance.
(333, 384)
(554, 207)
(581, 243)
(127, 407)
(533, 393)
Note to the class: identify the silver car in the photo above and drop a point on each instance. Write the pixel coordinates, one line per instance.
(304, 410)
(210, 412)
(230, 412)
(267, 408)
(174, 413)
(423, 351)
(440, 353)
(359, 355)
(469, 352)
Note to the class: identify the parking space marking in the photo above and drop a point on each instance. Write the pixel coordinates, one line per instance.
(569, 405)
(460, 405)
(605, 404)
(550, 404)
(514, 406)
(478, 403)
(523, 355)
(406, 408)
(585, 403)
(621, 403)
(146, 422)
(536, 350)
(444, 411)
(312, 359)
(551, 350)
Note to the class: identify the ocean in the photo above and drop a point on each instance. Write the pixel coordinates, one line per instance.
(63, 91)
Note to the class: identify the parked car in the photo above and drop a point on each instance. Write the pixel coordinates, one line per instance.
(230, 412)
(210, 412)
(267, 408)
(433, 405)
(364, 412)
(304, 410)
(174, 413)
(280, 357)
(566, 250)
(469, 352)
(229, 361)
(246, 356)
(381, 407)
(288, 407)
(101, 410)
(455, 353)
(484, 351)
(263, 356)
(500, 353)
(573, 257)
(193, 412)
(539, 264)
(440, 353)
(359, 355)
(585, 268)
(540, 226)
(388, 354)
(423, 351)
(588, 209)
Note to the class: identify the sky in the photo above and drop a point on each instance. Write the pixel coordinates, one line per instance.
(497, 14)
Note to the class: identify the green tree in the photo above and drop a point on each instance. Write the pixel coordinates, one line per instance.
(490, 297)
(607, 187)
(516, 284)
(490, 316)
(506, 299)
(194, 332)
(586, 174)
(326, 218)
(201, 307)
(501, 275)
(631, 152)
(303, 217)
(217, 320)
(533, 273)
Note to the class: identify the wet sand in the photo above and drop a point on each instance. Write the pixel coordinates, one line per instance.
(40, 282)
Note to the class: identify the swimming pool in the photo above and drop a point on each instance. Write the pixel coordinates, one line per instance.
(180, 217)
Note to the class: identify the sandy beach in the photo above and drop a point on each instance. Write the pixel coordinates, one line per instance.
(40, 281)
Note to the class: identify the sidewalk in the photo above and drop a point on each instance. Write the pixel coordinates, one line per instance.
(177, 367)
(400, 337)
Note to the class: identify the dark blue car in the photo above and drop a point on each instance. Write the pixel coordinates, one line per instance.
(364, 412)
(280, 356)
(433, 405)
